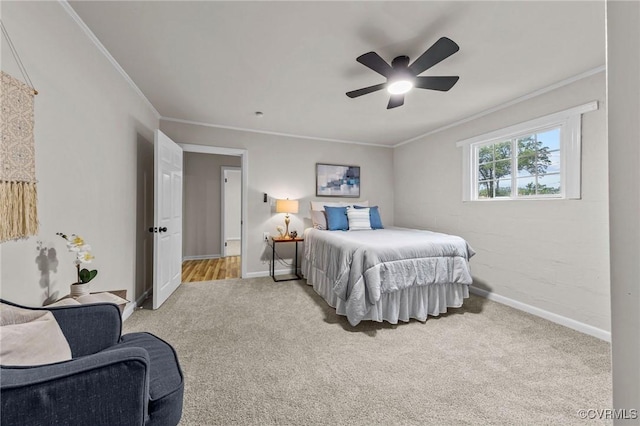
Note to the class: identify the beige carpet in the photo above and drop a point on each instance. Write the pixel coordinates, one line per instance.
(256, 352)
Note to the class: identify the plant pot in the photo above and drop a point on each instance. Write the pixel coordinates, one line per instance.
(78, 290)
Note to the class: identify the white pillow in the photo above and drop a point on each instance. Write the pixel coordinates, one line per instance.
(319, 205)
(30, 337)
(360, 203)
(319, 219)
(358, 219)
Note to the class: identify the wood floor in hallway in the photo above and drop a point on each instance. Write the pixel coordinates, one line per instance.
(211, 269)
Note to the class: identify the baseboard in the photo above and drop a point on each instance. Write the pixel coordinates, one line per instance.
(131, 307)
(210, 256)
(128, 310)
(558, 319)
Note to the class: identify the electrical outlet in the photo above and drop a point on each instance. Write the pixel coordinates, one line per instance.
(265, 236)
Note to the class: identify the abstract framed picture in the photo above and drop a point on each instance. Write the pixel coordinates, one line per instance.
(334, 180)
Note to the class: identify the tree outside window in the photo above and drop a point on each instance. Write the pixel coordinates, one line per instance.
(536, 158)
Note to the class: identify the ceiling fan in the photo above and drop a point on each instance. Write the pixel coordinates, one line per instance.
(402, 77)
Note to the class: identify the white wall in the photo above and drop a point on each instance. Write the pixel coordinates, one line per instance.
(201, 200)
(284, 167)
(552, 254)
(623, 95)
(93, 137)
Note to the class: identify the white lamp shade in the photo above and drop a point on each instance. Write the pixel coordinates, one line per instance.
(286, 206)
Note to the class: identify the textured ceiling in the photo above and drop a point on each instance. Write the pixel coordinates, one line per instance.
(219, 62)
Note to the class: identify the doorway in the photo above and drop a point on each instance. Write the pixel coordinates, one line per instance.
(214, 205)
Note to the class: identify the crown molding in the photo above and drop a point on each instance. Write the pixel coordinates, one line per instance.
(266, 132)
(512, 102)
(531, 95)
(67, 7)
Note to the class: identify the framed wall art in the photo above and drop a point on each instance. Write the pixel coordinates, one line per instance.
(334, 180)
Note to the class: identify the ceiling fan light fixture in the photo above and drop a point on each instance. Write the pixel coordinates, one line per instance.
(402, 76)
(400, 87)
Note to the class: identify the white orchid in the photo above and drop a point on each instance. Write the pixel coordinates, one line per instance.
(76, 244)
(84, 256)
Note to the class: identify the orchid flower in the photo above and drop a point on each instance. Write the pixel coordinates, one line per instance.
(77, 245)
(84, 257)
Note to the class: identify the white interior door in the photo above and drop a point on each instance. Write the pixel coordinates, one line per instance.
(167, 225)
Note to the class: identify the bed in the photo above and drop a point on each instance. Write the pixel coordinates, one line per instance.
(387, 274)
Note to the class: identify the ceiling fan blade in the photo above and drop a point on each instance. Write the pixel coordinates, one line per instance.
(441, 50)
(375, 62)
(365, 90)
(436, 83)
(395, 101)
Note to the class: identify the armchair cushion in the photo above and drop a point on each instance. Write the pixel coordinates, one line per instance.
(165, 377)
(89, 328)
(29, 337)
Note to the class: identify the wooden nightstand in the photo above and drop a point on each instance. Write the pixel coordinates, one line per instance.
(277, 240)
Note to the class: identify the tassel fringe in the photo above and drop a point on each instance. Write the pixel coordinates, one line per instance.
(18, 210)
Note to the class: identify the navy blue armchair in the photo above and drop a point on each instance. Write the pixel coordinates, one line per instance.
(133, 379)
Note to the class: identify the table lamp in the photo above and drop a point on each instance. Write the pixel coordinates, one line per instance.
(287, 206)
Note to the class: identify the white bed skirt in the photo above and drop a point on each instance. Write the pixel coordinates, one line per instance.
(413, 302)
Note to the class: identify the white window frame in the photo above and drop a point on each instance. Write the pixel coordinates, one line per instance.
(569, 121)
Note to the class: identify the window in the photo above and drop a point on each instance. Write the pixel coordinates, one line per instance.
(539, 159)
(524, 166)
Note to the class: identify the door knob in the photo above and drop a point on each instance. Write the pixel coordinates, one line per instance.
(156, 229)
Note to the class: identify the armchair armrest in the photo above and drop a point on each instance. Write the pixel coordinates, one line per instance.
(106, 388)
(88, 328)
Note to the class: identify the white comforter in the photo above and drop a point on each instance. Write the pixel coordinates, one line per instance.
(362, 265)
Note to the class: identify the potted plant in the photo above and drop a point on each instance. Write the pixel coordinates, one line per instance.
(76, 244)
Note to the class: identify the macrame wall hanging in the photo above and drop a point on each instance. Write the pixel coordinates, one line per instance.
(18, 194)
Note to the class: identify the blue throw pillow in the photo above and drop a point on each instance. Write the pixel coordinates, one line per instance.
(374, 215)
(337, 218)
